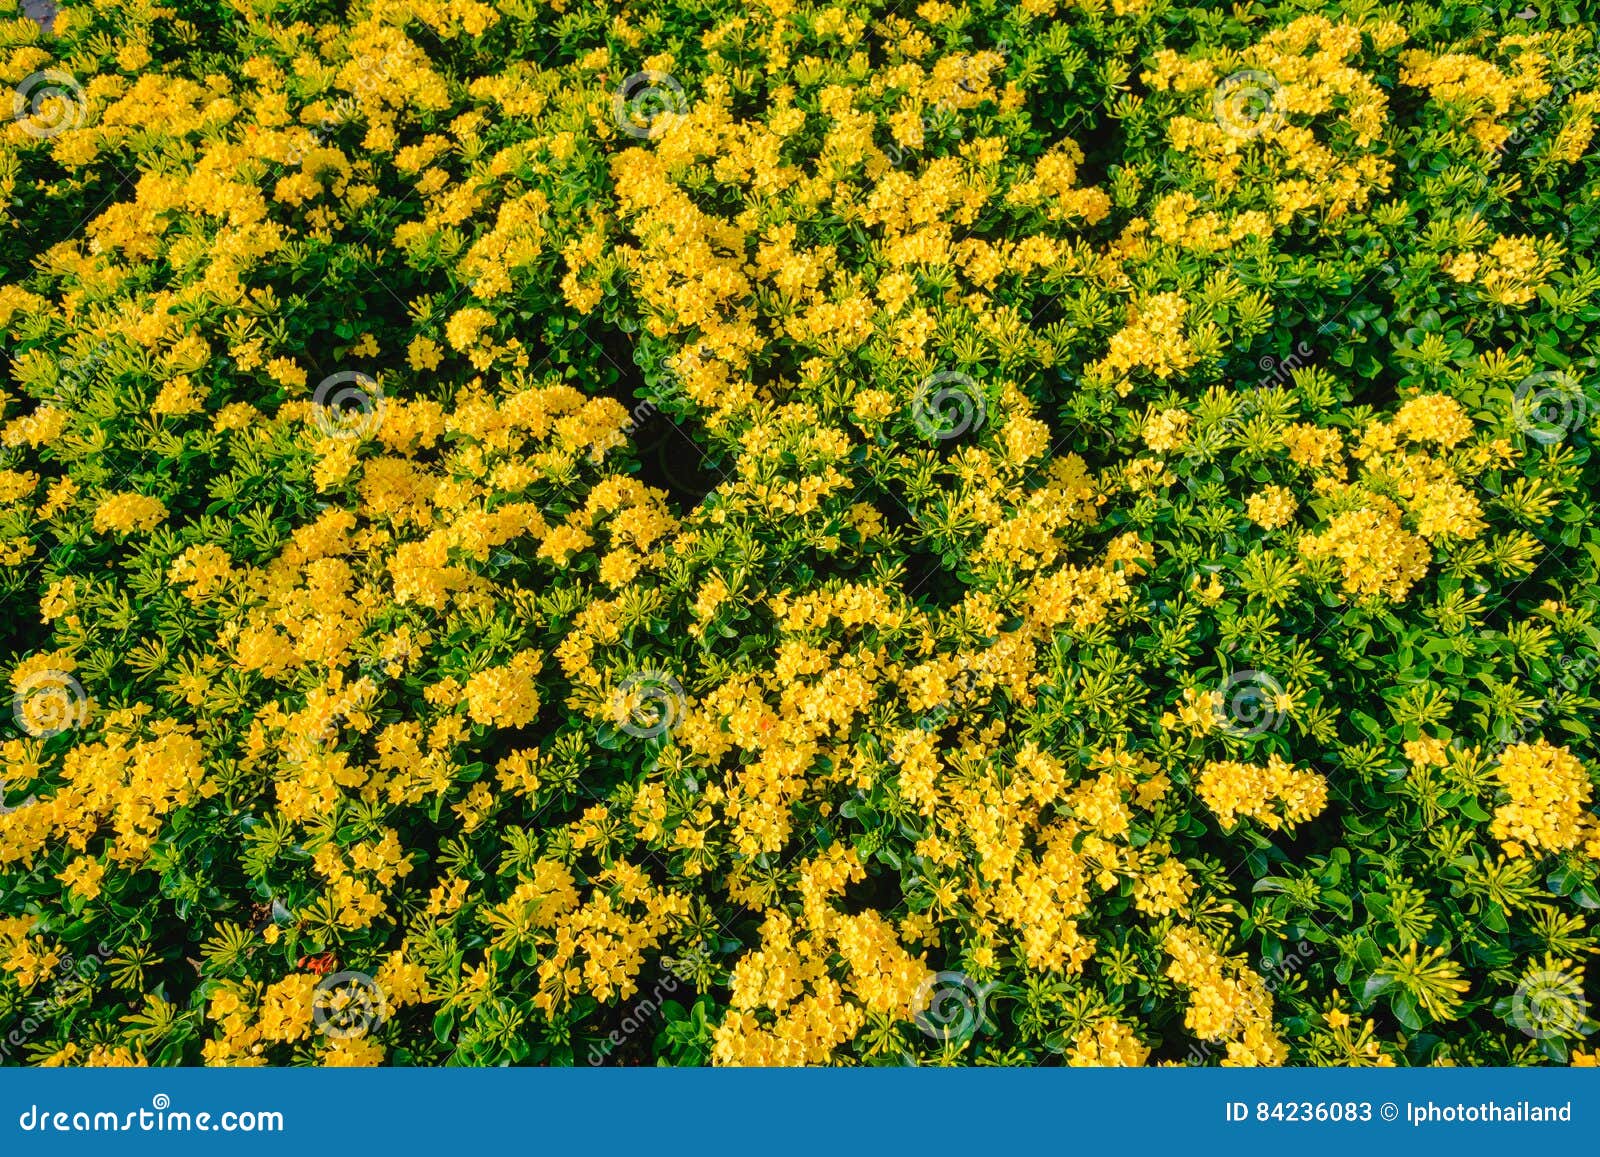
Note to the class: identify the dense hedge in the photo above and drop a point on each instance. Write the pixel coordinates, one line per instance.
(699, 531)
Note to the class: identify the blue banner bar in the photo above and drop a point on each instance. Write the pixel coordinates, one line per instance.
(666, 1112)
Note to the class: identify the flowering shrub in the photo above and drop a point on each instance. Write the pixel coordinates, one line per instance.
(748, 533)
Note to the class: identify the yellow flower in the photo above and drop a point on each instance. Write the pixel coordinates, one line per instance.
(1376, 555)
(1166, 430)
(178, 397)
(1107, 1043)
(424, 353)
(1271, 507)
(1276, 795)
(466, 325)
(202, 569)
(1433, 418)
(1549, 790)
(128, 512)
(505, 696)
(83, 877)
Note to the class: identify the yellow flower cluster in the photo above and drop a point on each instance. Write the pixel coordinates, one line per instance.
(1375, 554)
(1275, 794)
(1153, 339)
(128, 780)
(505, 696)
(1549, 790)
(125, 513)
(1107, 1044)
(1271, 507)
(905, 657)
(1228, 1002)
(1510, 271)
(1488, 90)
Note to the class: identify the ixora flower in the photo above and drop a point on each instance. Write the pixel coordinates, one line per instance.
(46, 699)
(778, 534)
(646, 104)
(48, 103)
(1249, 103)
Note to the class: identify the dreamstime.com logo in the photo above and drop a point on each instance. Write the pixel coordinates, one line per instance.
(348, 1006)
(160, 1117)
(48, 103)
(1550, 1003)
(1549, 405)
(48, 703)
(646, 1011)
(1248, 103)
(648, 704)
(1249, 703)
(648, 104)
(75, 373)
(947, 404)
(950, 1007)
(348, 404)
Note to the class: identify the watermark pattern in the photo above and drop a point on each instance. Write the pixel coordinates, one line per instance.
(1574, 672)
(950, 1007)
(348, 404)
(1254, 399)
(1549, 405)
(1562, 86)
(642, 1013)
(1549, 1003)
(1248, 103)
(71, 979)
(898, 153)
(348, 1006)
(647, 104)
(649, 704)
(669, 389)
(48, 703)
(73, 373)
(49, 103)
(948, 404)
(342, 110)
(373, 72)
(684, 465)
(1273, 976)
(1249, 703)
(1279, 371)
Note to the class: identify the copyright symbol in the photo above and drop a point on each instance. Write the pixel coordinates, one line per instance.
(1389, 1111)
